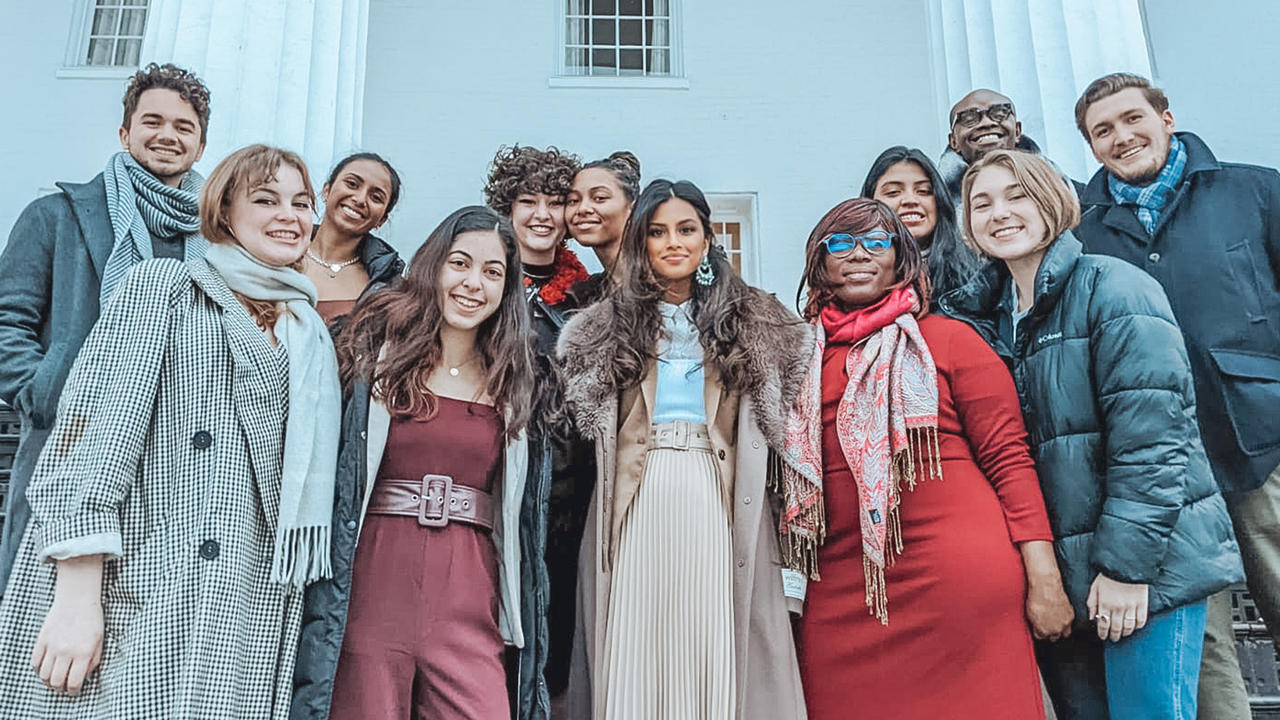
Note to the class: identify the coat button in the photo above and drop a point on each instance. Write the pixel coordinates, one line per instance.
(202, 440)
(1154, 257)
(746, 501)
(742, 563)
(755, 444)
(721, 453)
(209, 549)
(639, 441)
(364, 435)
(351, 524)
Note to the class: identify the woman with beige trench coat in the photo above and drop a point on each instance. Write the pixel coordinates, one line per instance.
(683, 377)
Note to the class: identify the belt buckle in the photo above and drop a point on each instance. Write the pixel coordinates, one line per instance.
(432, 509)
(680, 435)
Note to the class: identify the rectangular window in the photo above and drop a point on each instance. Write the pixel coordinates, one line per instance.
(733, 220)
(619, 38)
(107, 34)
(729, 236)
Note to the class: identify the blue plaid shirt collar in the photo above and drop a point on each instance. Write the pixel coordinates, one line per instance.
(1150, 200)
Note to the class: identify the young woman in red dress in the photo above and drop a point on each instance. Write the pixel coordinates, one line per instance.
(910, 492)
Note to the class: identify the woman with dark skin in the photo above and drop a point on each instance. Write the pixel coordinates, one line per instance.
(345, 259)
(906, 180)
(911, 459)
(598, 205)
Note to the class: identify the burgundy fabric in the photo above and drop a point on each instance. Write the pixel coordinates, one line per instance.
(422, 636)
(850, 327)
(331, 309)
(957, 644)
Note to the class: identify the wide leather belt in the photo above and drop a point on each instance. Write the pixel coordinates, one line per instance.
(680, 435)
(434, 499)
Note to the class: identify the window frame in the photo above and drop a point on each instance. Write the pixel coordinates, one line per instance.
(676, 80)
(742, 208)
(74, 64)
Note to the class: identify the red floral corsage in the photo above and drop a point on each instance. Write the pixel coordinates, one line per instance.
(568, 271)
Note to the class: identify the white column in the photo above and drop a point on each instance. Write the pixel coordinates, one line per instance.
(1042, 54)
(283, 72)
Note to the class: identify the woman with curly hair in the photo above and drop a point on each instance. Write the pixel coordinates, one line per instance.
(599, 203)
(906, 180)
(683, 376)
(529, 186)
(435, 370)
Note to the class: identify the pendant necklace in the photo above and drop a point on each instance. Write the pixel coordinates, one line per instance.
(333, 268)
(453, 371)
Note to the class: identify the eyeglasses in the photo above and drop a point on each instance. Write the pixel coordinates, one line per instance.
(875, 242)
(997, 112)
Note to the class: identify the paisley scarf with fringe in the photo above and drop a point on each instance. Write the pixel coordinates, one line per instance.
(887, 422)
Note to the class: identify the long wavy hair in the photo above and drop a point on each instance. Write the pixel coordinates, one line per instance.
(951, 262)
(718, 309)
(403, 321)
(858, 216)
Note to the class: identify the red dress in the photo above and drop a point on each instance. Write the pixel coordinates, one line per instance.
(957, 645)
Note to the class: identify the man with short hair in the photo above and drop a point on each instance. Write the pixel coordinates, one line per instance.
(68, 251)
(1209, 232)
(982, 121)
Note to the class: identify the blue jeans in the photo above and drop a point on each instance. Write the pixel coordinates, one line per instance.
(1151, 675)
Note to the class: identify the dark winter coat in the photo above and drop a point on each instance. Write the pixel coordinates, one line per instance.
(50, 275)
(1216, 251)
(1107, 395)
(381, 263)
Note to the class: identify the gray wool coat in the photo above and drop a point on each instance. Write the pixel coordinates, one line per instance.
(50, 274)
(744, 425)
(166, 455)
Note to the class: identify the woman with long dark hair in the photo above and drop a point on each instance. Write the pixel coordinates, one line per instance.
(184, 498)
(438, 382)
(907, 181)
(911, 459)
(682, 376)
(346, 260)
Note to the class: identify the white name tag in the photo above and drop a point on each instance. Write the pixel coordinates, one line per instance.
(794, 584)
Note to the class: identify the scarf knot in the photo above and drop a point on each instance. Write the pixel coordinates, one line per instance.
(140, 206)
(887, 425)
(1150, 199)
(313, 419)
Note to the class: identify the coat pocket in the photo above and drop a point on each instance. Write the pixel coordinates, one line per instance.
(39, 400)
(1245, 279)
(1251, 390)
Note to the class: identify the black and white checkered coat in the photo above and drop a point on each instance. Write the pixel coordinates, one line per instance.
(167, 450)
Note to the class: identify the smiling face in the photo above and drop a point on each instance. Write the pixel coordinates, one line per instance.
(1128, 136)
(539, 222)
(861, 278)
(163, 135)
(356, 201)
(676, 243)
(1006, 222)
(906, 189)
(273, 220)
(597, 208)
(987, 135)
(472, 279)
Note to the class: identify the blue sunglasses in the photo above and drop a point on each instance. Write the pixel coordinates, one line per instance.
(875, 242)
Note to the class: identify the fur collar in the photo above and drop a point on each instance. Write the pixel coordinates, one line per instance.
(952, 167)
(777, 343)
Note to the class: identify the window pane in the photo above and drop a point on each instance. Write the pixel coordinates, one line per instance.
(602, 32)
(127, 52)
(630, 32)
(657, 32)
(633, 8)
(575, 32)
(660, 8)
(631, 62)
(575, 61)
(603, 62)
(659, 62)
(99, 52)
(104, 22)
(602, 7)
(133, 22)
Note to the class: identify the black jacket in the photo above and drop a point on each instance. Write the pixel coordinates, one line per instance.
(1216, 251)
(1107, 395)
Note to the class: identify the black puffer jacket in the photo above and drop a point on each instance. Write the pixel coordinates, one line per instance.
(1107, 395)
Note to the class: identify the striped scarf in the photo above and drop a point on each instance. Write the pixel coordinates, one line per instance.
(1150, 199)
(887, 423)
(140, 206)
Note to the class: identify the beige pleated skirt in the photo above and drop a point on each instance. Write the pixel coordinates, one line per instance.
(669, 649)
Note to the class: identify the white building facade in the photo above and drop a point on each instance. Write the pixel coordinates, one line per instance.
(775, 110)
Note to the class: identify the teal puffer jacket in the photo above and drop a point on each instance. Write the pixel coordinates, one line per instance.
(1107, 395)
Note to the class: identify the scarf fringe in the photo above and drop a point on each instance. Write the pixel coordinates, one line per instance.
(877, 597)
(799, 547)
(921, 448)
(302, 553)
